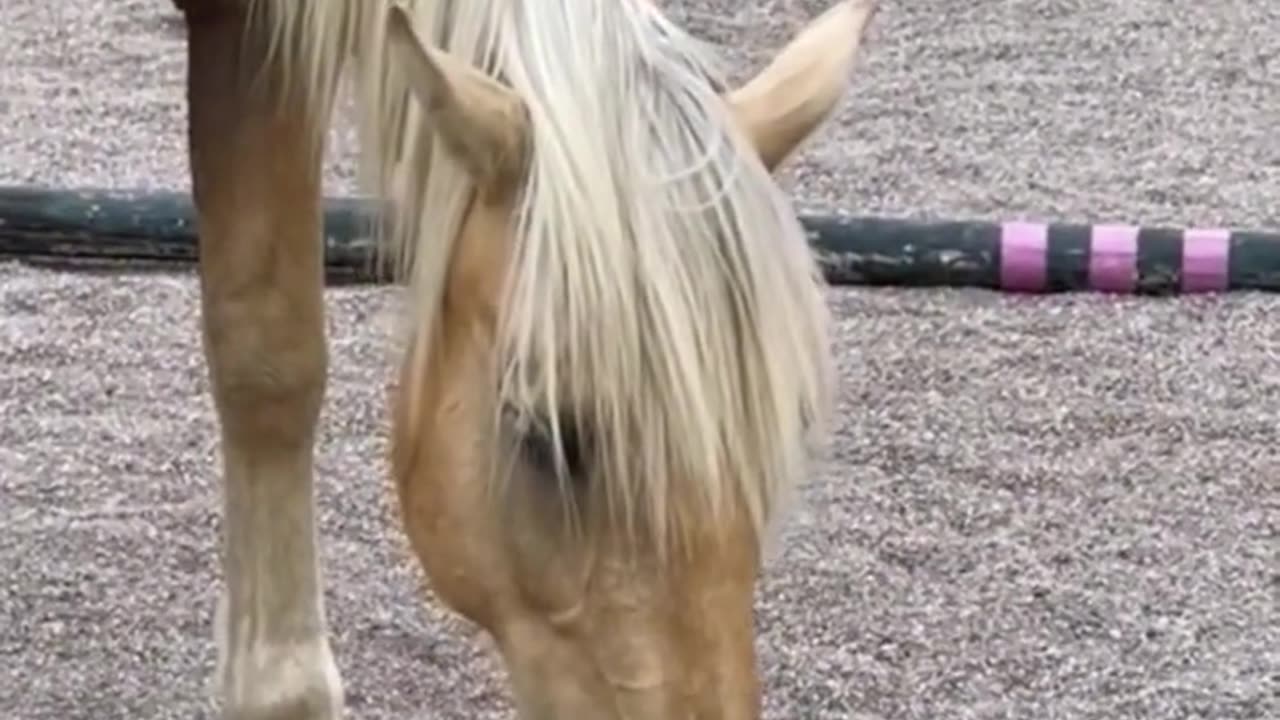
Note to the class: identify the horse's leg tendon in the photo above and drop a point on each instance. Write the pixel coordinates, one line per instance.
(256, 179)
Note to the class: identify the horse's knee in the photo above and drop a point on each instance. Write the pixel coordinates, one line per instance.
(268, 364)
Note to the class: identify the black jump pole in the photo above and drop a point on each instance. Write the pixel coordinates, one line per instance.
(131, 228)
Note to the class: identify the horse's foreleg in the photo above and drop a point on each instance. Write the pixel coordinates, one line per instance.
(256, 177)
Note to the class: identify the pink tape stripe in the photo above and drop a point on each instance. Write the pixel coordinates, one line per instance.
(1205, 253)
(1113, 258)
(1024, 249)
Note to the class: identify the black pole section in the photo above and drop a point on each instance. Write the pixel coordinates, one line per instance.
(884, 251)
(84, 228)
(131, 229)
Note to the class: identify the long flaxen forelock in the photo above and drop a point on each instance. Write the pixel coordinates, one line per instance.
(661, 291)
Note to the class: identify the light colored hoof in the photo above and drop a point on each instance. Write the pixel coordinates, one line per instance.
(283, 682)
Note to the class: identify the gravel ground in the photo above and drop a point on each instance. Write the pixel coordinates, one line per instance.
(1061, 507)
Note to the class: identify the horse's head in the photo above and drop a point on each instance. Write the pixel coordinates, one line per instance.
(681, 412)
(485, 124)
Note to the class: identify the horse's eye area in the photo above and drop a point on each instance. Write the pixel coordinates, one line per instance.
(536, 444)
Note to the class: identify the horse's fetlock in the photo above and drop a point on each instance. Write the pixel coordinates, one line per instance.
(290, 681)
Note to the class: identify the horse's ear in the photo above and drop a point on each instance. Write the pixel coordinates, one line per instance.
(785, 102)
(483, 123)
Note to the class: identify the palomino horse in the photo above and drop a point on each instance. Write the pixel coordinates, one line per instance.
(617, 357)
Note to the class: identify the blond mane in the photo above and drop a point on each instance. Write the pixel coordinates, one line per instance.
(661, 290)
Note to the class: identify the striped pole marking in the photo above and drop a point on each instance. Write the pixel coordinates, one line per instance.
(1041, 257)
(1113, 258)
(1024, 256)
(1205, 260)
